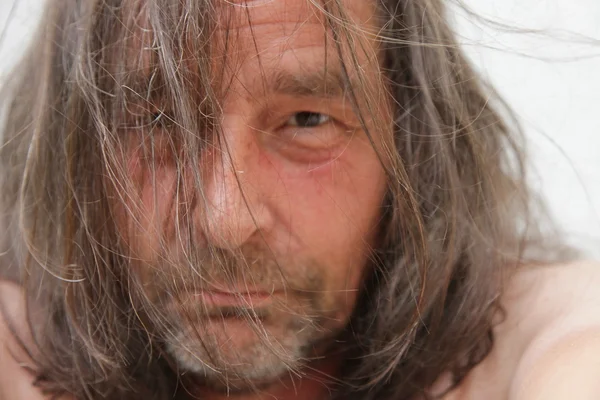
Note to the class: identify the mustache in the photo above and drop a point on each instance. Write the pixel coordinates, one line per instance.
(245, 270)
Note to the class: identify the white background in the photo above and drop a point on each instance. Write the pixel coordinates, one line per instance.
(551, 79)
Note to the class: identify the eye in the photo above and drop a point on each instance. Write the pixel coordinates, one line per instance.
(158, 119)
(308, 119)
(314, 133)
(148, 120)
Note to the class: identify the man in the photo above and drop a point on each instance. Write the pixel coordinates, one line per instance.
(274, 200)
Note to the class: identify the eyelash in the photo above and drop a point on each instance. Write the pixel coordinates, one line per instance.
(308, 118)
(159, 119)
(305, 134)
(297, 122)
(314, 132)
(150, 121)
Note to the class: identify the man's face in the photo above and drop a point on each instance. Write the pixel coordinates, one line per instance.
(293, 187)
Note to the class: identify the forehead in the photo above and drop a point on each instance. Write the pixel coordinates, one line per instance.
(270, 34)
(266, 27)
(278, 13)
(303, 38)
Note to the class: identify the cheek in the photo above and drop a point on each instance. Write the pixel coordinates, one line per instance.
(146, 208)
(333, 212)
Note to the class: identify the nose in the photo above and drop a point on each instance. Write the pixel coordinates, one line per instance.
(234, 206)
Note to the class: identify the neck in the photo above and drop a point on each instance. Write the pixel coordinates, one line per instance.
(315, 383)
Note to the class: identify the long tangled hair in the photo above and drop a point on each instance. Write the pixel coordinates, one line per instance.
(455, 225)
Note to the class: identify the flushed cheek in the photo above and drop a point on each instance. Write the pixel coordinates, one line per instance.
(337, 197)
(148, 209)
(332, 213)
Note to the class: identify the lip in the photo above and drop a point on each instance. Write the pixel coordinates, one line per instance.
(219, 298)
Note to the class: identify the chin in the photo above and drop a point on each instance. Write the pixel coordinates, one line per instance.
(240, 355)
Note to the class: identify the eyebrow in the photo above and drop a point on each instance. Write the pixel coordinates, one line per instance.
(305, 83)
(322, 83)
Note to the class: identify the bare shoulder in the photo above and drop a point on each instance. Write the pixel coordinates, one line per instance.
(544, 303)
(15, 381)
(553, 318)
(547, 339)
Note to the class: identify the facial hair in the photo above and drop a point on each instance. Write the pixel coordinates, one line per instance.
(241, 346)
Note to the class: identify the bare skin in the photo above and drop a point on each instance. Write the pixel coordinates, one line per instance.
(297, 166)
(306, 183)
(547, 347)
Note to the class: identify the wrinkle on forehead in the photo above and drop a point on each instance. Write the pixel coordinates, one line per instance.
(274, 29)
(290, 24)
(258, 40)
(259, 12)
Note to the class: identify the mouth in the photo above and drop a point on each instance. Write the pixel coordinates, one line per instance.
(229, 299)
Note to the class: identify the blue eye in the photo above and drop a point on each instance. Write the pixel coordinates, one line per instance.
(307, 119)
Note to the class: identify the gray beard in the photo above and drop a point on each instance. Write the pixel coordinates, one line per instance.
(267, 358)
